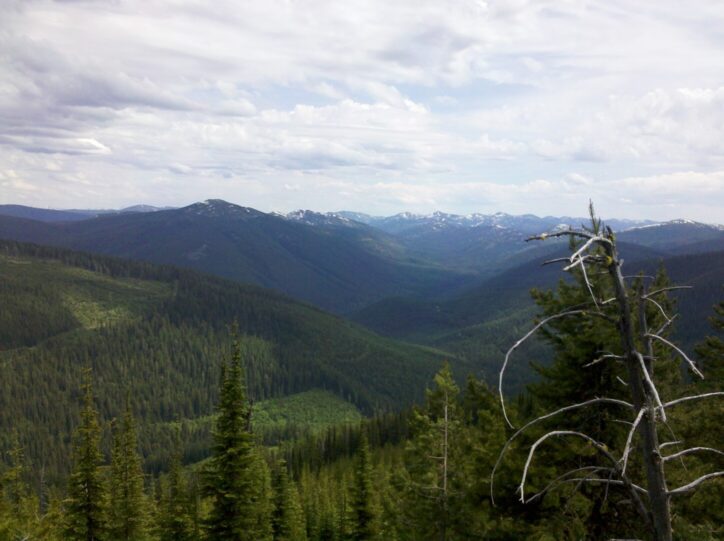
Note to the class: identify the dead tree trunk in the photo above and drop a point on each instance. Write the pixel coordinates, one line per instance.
(642, 398)
(597, 252)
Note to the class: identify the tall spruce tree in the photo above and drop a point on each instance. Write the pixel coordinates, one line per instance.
(231, 476)
(86, 504)
(363, 509)
(127, 511)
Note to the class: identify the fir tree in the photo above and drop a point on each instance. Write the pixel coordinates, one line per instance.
(85, 506)
(127, 512)
(230, 476)
(363, 511)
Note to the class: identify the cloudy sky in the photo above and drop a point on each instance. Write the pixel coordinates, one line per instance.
(377, 106)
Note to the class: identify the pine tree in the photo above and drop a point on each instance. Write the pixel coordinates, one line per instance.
(127, 512)
(288, 522)
(363, 511)
(85, 506)
(231, 476)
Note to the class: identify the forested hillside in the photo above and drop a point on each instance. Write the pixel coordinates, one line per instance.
(480, 323)
(160, 333)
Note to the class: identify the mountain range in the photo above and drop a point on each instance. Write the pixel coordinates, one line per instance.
(340, 261)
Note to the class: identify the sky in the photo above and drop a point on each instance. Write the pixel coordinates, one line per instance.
(519, 106)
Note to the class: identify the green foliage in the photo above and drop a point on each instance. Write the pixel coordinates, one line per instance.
(433, 461)
(363, 519)
(288, 521)
(170, 322)
(85, 508)
(234, 479)
(176, 513)
(127, 510)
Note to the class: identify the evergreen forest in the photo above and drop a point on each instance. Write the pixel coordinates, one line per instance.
(146, 402)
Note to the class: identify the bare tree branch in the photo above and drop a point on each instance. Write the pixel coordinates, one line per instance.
(597, 445)
(670, 288)
(692, 450)
(556, 481)
(562, 233)
(586, 245)
(694, 397)
(597, 480)
(650, 383)
(691, 486)
(603, 358)
(667, 443)
(667, 324)
(691, 363)
(661, 309)
(556, 260)
(516, 345)
(543, 418)
(588, 283)
(629, 439)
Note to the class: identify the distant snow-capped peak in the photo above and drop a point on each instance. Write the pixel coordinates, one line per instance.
(219, 208)
(311, 217)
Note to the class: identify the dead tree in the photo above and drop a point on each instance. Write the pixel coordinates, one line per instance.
(595, 252)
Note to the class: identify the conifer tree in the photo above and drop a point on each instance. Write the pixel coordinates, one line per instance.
(127, 511)
(288, 522)
(85, 506)
(363, 511)
(432, 461)
(231, 476)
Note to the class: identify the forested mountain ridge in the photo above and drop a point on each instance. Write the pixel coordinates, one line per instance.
(482, 322)
(161, 332)
(318, 257)
(318, 265)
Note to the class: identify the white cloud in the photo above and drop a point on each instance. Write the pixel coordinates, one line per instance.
(384, 104)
